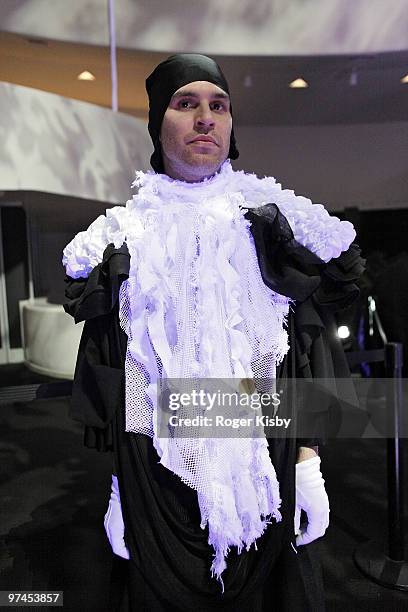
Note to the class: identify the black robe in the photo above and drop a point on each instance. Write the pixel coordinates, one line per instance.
(170, 555)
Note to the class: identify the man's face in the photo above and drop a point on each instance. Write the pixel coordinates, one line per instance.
(195, 132)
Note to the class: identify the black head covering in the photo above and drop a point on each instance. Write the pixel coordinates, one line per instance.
(167, 78)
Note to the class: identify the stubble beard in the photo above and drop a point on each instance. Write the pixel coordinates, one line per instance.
(197, 166)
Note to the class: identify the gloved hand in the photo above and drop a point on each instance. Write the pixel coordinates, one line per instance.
(113, 522)
(311, 497)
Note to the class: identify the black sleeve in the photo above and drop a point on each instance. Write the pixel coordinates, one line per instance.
(98, 387)
(319, 290)
(97, 391)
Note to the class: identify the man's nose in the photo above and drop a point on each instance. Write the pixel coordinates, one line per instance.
(204, 117)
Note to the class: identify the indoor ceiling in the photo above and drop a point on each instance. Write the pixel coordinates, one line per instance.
(259, 85)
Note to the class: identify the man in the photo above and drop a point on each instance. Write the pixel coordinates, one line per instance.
(194, 278)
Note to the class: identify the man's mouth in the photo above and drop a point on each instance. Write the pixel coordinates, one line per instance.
(205, 139)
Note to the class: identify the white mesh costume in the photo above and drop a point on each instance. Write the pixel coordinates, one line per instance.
(195, 306)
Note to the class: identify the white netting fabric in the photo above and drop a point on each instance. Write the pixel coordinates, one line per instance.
(195, 307)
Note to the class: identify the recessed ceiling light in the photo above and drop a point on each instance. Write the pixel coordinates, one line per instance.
(404, 79)
(86, 76)
(298, 84)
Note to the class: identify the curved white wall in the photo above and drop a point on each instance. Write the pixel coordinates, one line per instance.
(244, 27)
(65, 146)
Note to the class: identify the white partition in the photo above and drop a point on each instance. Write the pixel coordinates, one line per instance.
(50, 338)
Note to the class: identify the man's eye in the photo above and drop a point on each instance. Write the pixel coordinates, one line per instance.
(185, 104)
(217, 106)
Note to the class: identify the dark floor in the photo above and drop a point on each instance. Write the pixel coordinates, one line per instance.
(18, 374)
(54, 494)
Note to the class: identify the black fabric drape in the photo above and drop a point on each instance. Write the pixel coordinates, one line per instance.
(170, 555)
(320, 290)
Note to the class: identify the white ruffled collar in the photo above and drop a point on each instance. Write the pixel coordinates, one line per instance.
(253, 190)
(162, 182)
(229, 191)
